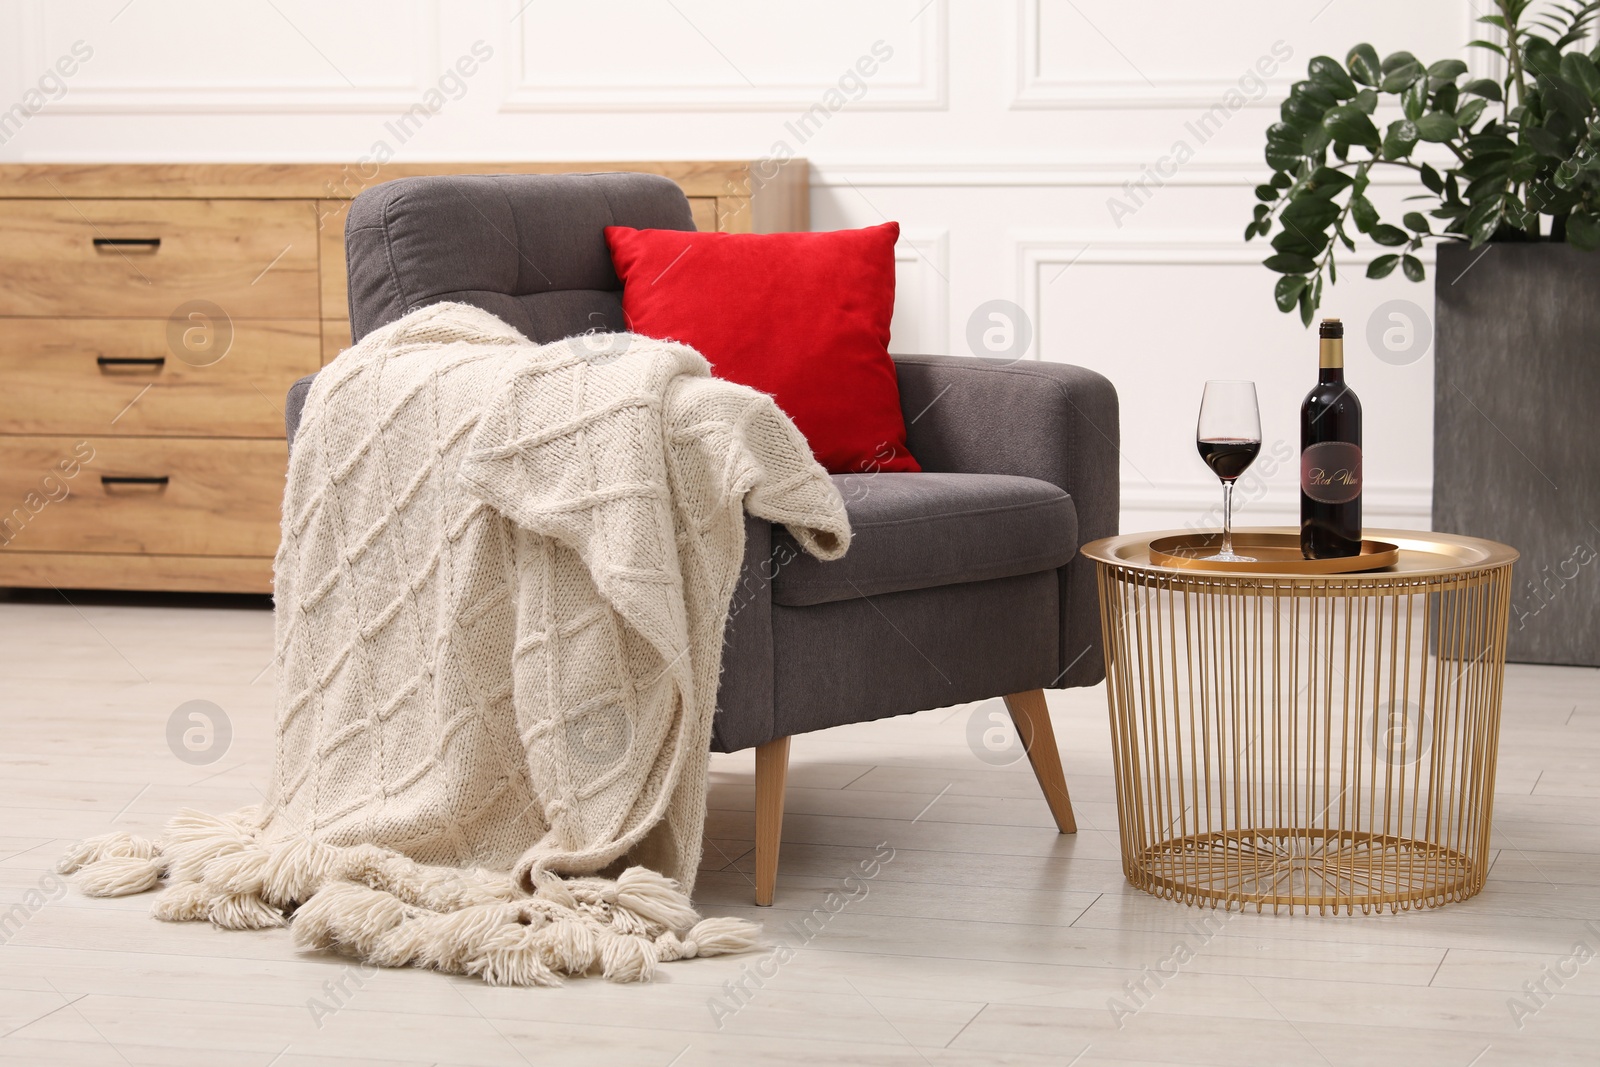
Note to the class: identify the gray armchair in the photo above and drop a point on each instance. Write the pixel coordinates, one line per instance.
(963, 582)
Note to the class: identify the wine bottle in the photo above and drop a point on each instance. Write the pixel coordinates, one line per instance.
(1330, 456)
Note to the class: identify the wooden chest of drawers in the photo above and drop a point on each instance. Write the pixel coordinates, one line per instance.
(152, 316)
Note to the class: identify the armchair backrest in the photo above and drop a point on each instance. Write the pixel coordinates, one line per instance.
(529, 248)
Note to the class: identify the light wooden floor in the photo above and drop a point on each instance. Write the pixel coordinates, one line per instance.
(986, 939)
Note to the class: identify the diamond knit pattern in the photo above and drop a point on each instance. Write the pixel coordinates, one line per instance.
(502, 585)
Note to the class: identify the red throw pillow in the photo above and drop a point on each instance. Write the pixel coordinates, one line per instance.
(802, 316)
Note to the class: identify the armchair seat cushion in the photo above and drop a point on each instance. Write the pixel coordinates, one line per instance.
(918, 531)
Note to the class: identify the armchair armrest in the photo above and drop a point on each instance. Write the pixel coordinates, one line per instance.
(295, 406)
(1050, 421)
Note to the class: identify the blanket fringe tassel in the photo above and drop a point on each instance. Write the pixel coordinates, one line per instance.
(380, 907)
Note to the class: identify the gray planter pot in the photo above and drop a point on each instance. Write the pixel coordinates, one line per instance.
(1516, 431)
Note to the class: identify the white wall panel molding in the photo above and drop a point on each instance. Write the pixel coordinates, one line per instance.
(1041, 257)
(1194, 505)
(1037, 90)
(922, 298)
(141, 66)
(1158, 88)
(915, 78)
(1090, 172)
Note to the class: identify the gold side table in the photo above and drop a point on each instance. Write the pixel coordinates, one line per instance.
(1320, 742)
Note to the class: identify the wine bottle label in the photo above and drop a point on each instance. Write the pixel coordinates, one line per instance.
(1330, 472)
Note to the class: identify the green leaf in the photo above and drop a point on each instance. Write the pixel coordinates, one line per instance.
(1287, 291)
(1364, 213)
(1283, 146)
(1262, 211)
(1431, 179)
(1278, 158)
(1541, 56)
(1266, 192)
(1310, 297)
(1364, 66)
(1482, 221)
(1489, 187)
(1299, 240)
(1470, 112)
(1580, 70)
(1485, 145)
(1487, 88)
(1290, 263)
(1280, 180)
(1414, 101)
(1447, 98)
(1367, 101)
(1525, 164)
(1403, 75)
(1411, 266)
(1563, 97)
(1416, 222)
(1284, 133)
(1543, 142)
(1446, 70)
(1328, 73)
(1305, 105)
(1437, 126)
(1310, 212)
(1326, 182)
(1385, 234)
(1351, 125)
(1400, 139)
(1395, 60)
(1490, 45)
(1583, 231)
(1383, 266)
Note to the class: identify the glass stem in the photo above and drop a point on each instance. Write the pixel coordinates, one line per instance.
(1227, 518)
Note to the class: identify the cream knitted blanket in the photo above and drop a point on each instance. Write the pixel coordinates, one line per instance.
(501, 591)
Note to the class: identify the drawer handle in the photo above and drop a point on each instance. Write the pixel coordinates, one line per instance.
(131, 244)
(158, 481)
(132, 361)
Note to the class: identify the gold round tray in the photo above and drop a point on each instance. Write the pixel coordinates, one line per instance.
(1271, 553)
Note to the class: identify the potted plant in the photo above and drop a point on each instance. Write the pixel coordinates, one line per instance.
(1513, 193)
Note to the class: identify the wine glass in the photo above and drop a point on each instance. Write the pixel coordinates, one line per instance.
(1229, 438)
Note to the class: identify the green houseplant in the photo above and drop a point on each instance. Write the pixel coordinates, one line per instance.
(1525, 149)
(1508, 181)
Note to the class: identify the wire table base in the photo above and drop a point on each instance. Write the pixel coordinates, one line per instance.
(1322, 742)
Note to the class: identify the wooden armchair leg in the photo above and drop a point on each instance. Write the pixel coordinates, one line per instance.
(772, 769)
(1032, 716)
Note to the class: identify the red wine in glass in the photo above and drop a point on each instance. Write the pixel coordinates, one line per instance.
(1229, 439)
(1228, 457)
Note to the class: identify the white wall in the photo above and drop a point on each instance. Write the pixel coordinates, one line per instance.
(996, 133)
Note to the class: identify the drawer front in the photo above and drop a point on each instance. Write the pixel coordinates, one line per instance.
(150, 258)
(90, 570)
(335, 339)
(331, 216)
(148, 377)
(174, 496)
